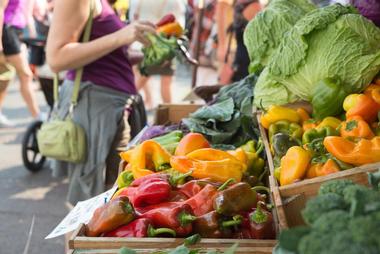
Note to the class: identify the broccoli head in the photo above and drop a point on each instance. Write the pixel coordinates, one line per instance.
(343, 242)
(361, 199)
(322, 204)
(314, 242)
(333, 221)
(335, 186)
(366, 230)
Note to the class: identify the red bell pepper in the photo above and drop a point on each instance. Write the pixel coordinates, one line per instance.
(177, 196)
(193, 187)
(168, 18)
(203, 201)
(148, 193)
(173, 215)
(139, 228)
(261, 223)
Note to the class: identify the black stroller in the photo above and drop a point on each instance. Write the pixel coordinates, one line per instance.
(32, 159)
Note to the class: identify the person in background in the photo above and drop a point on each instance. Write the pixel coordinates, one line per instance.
(15, 15)
(107, 86)
(154, 11)
(244, 11)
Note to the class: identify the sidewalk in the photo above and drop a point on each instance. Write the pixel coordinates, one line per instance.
(24, 195)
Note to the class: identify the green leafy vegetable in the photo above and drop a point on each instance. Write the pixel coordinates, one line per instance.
(229, 119)
(265, 32)
(160, 50)
(331, 42)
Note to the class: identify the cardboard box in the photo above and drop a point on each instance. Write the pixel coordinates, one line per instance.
(173, 113)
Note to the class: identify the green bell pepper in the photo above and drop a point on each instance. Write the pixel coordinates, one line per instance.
(294, 130)
(328, 97)
(315, 133)
(124, 179)
(255, 163)
(281, 143)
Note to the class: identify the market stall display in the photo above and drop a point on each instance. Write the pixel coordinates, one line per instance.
(308, 113)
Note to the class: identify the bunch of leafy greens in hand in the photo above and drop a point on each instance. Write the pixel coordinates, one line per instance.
(331, 42)
(228, 120)
(160, 50)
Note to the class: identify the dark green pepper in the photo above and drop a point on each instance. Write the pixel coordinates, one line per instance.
(212, 225)
(281, 142)
(323, 132)
(328, 97)
(237, 198)
(294, 130)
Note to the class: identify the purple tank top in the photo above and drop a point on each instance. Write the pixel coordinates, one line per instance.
(14, 14)
(113, 70)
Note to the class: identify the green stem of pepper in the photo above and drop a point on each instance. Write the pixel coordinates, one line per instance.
(226, 183)
(258, 216)
(185, 218)
(152, 232)
(175, 179)
(231, 223)
(261, 188)
(260, 147)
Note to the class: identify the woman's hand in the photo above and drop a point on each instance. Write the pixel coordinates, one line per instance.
(135, 31)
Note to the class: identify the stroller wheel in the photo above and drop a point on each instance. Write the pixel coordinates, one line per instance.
(33, 160)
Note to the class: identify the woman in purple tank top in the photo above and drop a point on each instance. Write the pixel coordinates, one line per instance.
(107, 84)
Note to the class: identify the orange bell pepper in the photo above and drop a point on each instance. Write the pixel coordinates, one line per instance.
(171, 29)
(191, 142)
(312, 170)
(294, 165)
(303, 114)
(356, 127)
(327, 168)
(239, 154)
(309, 124)
(362, 105)
(373, 91)
(363, 152)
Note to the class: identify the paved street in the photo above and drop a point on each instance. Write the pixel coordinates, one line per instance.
(38, 197)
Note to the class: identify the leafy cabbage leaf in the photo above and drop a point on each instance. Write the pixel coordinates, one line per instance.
(263, 34)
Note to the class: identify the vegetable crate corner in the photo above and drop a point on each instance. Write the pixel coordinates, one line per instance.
(290, 199)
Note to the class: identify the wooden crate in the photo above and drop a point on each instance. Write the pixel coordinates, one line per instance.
(173, 113)
(291, 199)
(79, 243)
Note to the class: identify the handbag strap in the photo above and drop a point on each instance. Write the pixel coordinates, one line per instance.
(79, 71)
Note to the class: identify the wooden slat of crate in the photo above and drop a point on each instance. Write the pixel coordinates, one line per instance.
(291, 199)
(81, 243)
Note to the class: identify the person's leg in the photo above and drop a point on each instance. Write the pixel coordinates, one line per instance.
(25, 76)
(142, 83)
(166, 84)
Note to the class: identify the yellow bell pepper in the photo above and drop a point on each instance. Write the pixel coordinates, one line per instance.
(239, 154)
(294, 165)
(333, 122)
(209, 163)
(127, 155)
(147, 158)
(277, 113)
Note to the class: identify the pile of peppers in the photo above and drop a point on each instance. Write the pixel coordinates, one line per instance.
(152, 206)
(305, 147)
(195, 189)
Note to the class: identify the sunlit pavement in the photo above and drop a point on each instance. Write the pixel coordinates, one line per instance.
(25, 195)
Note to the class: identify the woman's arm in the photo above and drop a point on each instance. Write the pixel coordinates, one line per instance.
(69, 19)
(3, 5)
(28, 13)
